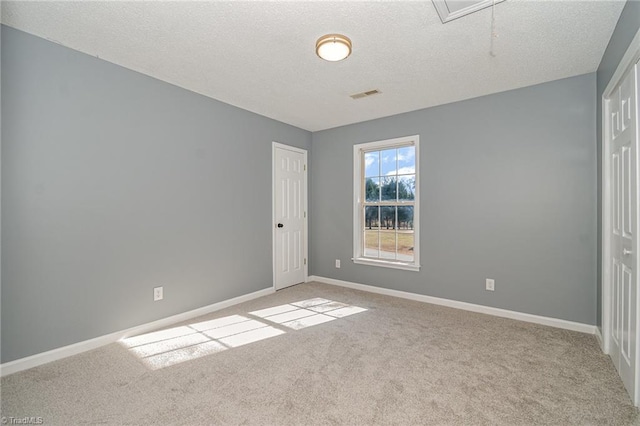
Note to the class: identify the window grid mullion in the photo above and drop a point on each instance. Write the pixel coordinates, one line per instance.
(388, 203)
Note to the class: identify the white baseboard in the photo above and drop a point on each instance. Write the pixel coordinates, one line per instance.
(87, 345)
(552, 322)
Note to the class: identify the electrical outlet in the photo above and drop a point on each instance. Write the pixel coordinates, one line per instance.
(337, 263)
(158, 293)
(491, 284)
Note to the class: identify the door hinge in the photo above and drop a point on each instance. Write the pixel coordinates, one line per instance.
(305, 261)
(305, 167)
(305, 214)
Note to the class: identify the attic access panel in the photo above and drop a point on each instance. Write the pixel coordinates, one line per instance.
(454, 9)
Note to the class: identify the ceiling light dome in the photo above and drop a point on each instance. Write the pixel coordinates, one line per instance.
(333, 47)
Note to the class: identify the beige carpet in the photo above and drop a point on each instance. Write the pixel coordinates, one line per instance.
(340, 357)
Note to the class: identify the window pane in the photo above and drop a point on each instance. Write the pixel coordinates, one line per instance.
(388, 189)
(371, 242)
(387, 244)
(388, 217)
(372, 164)
(372, 189)
(387, 232)
(371, 217)
(388, 162)
(405, 217)
(405, 233)
(405, 245)
(407, 160)
(406, 187)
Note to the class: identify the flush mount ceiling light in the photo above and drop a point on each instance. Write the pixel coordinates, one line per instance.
(333, 47)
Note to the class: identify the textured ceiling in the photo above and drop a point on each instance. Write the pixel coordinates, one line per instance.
(260, 55)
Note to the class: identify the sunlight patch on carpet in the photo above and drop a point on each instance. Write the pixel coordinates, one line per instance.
(164, 348)
(306, 313)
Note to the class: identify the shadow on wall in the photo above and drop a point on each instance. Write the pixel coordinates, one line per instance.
(164, 348)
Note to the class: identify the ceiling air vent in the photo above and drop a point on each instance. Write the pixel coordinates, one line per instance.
(366, 94)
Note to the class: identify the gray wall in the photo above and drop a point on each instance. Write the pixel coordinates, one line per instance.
(626, 29)
(507, 192)
(113, 183)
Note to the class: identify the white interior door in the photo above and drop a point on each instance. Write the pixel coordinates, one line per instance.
(289, 216)
(623, 140)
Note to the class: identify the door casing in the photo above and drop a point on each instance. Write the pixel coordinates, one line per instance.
(305, 244)
(628, 61)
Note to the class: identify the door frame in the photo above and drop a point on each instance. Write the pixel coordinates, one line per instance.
(630, 58)
(305, 239)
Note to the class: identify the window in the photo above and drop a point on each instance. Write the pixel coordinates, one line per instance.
(386, 203)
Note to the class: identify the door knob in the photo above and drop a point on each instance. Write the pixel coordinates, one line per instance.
(280, 225)
(626, 252)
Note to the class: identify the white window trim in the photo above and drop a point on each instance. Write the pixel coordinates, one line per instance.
(358, 203)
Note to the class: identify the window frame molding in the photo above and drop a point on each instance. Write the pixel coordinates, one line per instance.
(358, 202)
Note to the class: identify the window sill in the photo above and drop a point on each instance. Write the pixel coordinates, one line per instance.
(387, 264)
